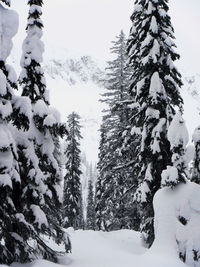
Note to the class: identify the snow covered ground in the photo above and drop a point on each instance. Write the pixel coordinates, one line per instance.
(114, 249)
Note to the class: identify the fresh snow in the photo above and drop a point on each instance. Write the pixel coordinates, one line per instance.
(8, 28)
(177, 132)
(121, 248)
(3, 83)
(170, 206)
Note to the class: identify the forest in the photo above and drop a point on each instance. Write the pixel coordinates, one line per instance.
(138, 204)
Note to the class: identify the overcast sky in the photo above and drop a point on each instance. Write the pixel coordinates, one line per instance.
(89, 26)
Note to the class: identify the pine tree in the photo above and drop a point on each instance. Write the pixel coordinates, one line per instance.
(99, 205)
(155, 89)
(106, 184)
(14, 230)
(42, 191)
(114, 169)
(72, 185)
(90, 207)
(81, 220)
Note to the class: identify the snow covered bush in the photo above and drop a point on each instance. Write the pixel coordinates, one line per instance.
(177, 227)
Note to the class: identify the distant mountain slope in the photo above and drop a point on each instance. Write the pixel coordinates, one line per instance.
(75, 84)
(71, 70)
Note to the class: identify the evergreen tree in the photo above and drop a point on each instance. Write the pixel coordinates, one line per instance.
(72, 185)
(105, 190)
(155, 89)
(116, 161)
(14, 229)
(196, 165)
(90, 207)
(81, 219)
(42, 190)
(99, 205)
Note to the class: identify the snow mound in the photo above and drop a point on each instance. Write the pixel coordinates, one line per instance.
(177, 227)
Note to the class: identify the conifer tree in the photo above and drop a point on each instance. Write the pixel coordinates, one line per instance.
(196, 167)
(114, 166)
(43, 189)
(99, 205)
(155, 89)
(81, 219)
(14, 230)
(90, 207)
(105, 182)
(72, 185)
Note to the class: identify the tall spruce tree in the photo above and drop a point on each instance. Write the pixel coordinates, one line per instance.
(100, 188)
(114, 166)
(113, 184)
(42, 191)
(72, 184)
(90, 222)
(155, 88)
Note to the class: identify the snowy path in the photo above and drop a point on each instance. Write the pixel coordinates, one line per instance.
(99, 249)
(114, 249)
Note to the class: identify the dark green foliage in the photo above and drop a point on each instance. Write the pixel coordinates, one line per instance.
(72, 185)
(117, 171)
(90, 222)
(196, 165)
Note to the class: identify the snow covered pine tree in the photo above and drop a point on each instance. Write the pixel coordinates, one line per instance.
(156, 90)
(114, 169)
(42, 187)
(90, 222)
(72, 185)
(14, 230)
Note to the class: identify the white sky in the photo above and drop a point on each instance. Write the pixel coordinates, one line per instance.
(89, 26)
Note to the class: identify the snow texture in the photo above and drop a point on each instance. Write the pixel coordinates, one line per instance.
(177, 217)
(8, 28)
(109, 249)
(177, 132)
(170, 175)
(3, 83)
(40, 217)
